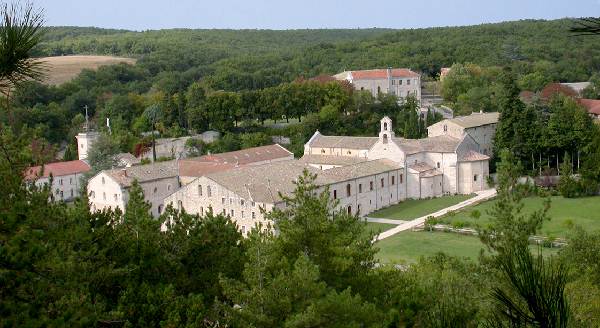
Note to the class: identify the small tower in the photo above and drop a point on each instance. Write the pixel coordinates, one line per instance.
(386, 132)
(85, 139)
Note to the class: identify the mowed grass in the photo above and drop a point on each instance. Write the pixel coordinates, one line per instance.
(409, 246)
(564, 213)
(378, 227)
(415, 208)
(61, 69)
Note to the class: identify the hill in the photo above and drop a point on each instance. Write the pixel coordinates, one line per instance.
(64, 68)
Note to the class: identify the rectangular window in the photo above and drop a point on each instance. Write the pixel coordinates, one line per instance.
(230, 201)
(360, 188)
(438, 165)
(393, 180)
(232, 213)
(399, 82)
(242, 214)
(242, 202)
(401, 178)
(71, 192)
(60, 182)
(393, 82)
(253, 215)
(253, 204)
(335, 194)
(371, 185)
(243, 229)
(382, 183)
(201, 210)
(224, 213)
(475, 177)
(223, 200)
(71, 179)
(407, 82)
(115, 197)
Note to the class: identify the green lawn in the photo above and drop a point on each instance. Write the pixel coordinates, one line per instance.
(414, 208)
(409, 246)
(378, 227)
(564, 214)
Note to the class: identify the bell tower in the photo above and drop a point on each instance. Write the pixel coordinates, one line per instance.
(85, 139)
(386, 132)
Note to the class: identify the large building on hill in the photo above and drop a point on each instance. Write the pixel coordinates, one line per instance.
(66, 178)
(109, 189)
(480, 126)
(401, 82)
(363, 174)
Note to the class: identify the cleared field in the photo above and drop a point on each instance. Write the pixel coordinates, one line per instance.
(564, 213)
(415, 208)
(378, 227)
(62, 69)
(409, 246)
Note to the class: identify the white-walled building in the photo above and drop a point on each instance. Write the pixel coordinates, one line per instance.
(66, 178)
(401, 82)
(85, 141)
(109, 189)
(363, 174)
(247, 193)
(480, 126)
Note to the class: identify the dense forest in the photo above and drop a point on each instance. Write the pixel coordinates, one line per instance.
(234, 81)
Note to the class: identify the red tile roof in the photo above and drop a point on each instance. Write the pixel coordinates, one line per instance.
(592, 105)
(196, 167)
(382, 73)
(555, 88)
(57, 169)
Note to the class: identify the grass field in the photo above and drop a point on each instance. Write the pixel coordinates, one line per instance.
(414, 208)
(409, 246)
(378, 227)
(64, 68)
(564, 214)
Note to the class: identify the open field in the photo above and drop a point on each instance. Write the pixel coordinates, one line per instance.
(378, 227)
(62, 69)
(564, 214)
(409, 246)
(414, 208)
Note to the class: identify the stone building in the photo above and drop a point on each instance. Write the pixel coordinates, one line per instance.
(247, 193)
(480, 126)
(401, 82)
(363, 174)
(110, 188)
(66, 178)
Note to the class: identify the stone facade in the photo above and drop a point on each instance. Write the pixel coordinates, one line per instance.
(401, 82)
(480, 126)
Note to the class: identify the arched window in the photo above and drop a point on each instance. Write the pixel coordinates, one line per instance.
(208, 191)
(385, 126)
(348, 190)
(200, 190)
(349, 210)
(160, 208)
(385, 138)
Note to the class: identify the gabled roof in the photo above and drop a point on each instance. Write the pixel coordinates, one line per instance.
(263, 183)
(476, 119)
(57, 169)
(592, 105)
(382, 74)
(438, 144)
(247, 156)
(472, 156)
(144, 173)
(192, 168)
(554, 88)
(359, 143)
(331, 160)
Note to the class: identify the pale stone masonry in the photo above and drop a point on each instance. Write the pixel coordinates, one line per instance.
(401, 82)
(109, 189)
(66, 178)
(480, 126)
(363, 174)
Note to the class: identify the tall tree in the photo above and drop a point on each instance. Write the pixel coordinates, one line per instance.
(20, 31)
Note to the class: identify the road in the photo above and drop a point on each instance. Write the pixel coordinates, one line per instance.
(407, 225)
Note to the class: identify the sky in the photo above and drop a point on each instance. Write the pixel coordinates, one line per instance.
(301, 14)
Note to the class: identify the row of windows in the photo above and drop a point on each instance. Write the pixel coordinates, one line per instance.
(61, 193)
(399, 82)
(360, 189)
(243, 214)
(60, 181)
